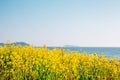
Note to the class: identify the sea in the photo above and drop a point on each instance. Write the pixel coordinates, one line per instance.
(113, 52)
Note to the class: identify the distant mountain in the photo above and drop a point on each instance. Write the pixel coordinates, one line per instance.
(70, 46)
(16, 43)
(20, 43)
(1, 44)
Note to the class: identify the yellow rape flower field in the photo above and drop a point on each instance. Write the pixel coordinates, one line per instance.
(30, 63)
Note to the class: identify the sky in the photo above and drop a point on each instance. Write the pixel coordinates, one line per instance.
(61, 22)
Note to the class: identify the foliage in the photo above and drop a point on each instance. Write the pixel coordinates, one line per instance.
(29, 63)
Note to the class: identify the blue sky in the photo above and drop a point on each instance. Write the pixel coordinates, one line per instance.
(61, 22)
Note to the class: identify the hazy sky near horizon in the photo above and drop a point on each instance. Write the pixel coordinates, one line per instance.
(61, 22)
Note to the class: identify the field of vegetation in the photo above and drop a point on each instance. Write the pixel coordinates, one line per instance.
(29, 63)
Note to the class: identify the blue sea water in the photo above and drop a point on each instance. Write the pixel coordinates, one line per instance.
(107, 51)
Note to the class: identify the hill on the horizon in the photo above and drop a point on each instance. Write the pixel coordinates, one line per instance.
(16, 43)
(71, 46)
